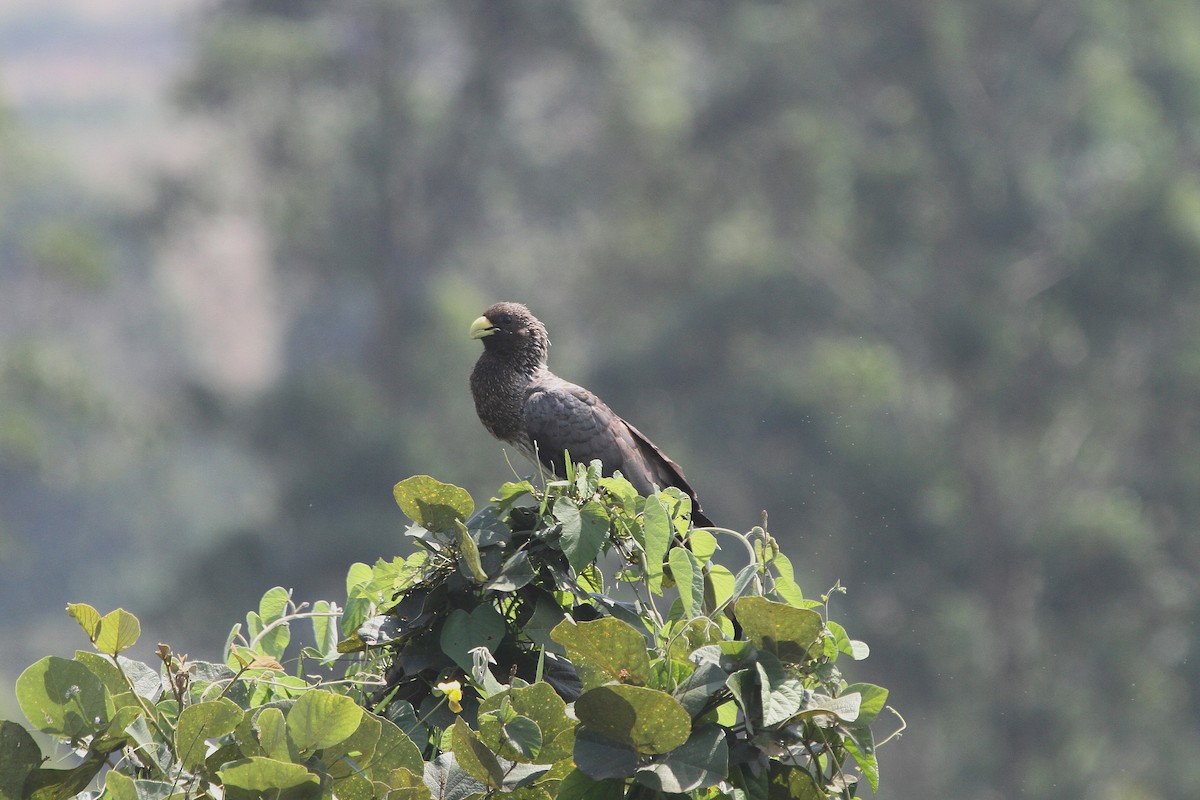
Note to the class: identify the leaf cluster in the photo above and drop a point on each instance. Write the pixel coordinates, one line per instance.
(577, 641)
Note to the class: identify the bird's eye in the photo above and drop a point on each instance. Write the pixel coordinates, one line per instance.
(504, 319)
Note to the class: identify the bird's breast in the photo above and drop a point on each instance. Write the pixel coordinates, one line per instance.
(498, 402)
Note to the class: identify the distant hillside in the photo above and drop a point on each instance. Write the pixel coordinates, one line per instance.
(88, 80)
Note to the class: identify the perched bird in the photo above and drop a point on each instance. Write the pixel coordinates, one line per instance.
(520, 401)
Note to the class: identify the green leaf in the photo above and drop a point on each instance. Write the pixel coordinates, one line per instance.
(488, 528)
(656, 523)
(722, 582)
(358, 575)
(789, 591)
(404, 716)
(19, 756)
(122, 787)
(874, 698)
(274, 604)
(447, 780)
(647, 720)
(786, 631)
(404, 784)
(693, 635)
(321, 719)
(475, 757)
(547, 614)
(514, 573)
(257, 777)
(725, 715)
(702, 544)
(742, 685)
(116, 735)
(104, 669)
(584, 530)
(152, 750)
(60, 784)
(511, 492)
(792, 783)
(353, 786)
(538, 703)
(119, 787)
(201, 721)
(272, 734)
(860, 743)
(325, 632)
(578, 786)
(87, 617)
(845, 707)
(702, 761)
(783, 566)
(64, 698)
(432, 504)
(355, 751)
(841, 643)
(781, 695)
(591, 579)
(604, 650)
(601, 758)
(522, 735)
(466, 630)
(680, 506)
(254, 625)
(147, 683)
(119, 630)
(748, 783)
(271, 641)
(469, 552)
(697, 690)
(667, 674)
(689, 579)
(742, 581)
(395, 750)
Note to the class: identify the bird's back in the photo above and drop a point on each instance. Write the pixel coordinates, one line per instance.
(562, 416)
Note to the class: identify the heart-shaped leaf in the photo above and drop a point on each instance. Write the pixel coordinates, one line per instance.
(201, 721)
(464, 630)
(604, 650)
(64, 698)
(321, 719)
(647, 720)
(432, 504)
(778, 628)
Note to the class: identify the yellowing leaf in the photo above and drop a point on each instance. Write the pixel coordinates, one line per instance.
(119, 630)
(87, 617)
(432, 504)
(647, 720)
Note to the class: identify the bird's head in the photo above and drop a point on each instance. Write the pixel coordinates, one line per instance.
(511, 329)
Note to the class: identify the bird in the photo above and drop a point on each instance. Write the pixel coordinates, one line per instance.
(521, 402)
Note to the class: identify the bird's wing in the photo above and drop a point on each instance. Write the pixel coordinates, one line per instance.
(561, 416)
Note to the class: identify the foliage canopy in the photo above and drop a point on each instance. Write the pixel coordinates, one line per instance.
(500, 659)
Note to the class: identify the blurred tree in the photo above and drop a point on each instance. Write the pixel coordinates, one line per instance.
(920, 279)
(96, 494)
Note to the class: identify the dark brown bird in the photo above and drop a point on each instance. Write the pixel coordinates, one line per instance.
(520, 401)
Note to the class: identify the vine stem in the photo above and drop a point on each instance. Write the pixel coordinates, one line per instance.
(896, 733)
(741, 537)
(298, 614)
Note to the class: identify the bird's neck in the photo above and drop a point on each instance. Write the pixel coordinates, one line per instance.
(498, 383)
(528, 362)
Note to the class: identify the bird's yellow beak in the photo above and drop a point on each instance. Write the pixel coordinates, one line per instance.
(482, 327)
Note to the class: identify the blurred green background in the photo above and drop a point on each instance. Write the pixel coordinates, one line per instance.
(921, 279)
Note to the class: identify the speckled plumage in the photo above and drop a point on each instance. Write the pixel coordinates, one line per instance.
(520, 401)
